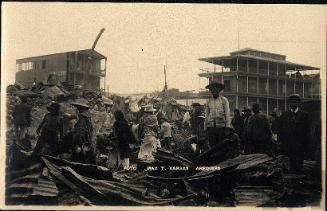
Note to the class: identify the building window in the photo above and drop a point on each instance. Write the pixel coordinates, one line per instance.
(242, 84)
(272, 69)
(252, 100)
(19, 67)
(263, 67)
(30, 65)
(44, 64)
(272, 86)
(263, 105)
(252, 85)
(263, 86)
(103, 64)
(227, 86)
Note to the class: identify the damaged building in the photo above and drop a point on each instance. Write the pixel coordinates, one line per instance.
(252, 76)
(86, 68)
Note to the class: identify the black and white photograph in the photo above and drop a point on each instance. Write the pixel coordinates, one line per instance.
(162, 106)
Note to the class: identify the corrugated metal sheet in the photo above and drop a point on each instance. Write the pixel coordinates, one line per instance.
(45, 187)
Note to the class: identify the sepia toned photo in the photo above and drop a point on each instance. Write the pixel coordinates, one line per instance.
(143, 106)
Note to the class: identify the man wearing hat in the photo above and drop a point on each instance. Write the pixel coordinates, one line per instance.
(166, 133)
(109, 120)
(50, 130)
(246, 113)
(82, 133)
(217, 114)
(187, 117)
(258, 132)
(293, 132)
(22, 118)
(128, 112)
(149, 135)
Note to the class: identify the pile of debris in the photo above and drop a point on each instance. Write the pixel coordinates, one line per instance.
(217, 177)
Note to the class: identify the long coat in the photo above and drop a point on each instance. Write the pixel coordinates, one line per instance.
(22, 115)
(83, 129)
(124, 136)
(258, 134)
(293, 132)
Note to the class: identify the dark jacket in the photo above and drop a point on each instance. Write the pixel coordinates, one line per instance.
(197, 123)
(22, 114)
(51, 128)
(83, 129)
(238, 124)
(258, 133)
(124, 136)
(293, 132)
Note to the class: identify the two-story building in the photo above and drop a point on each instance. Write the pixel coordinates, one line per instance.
(252, 76)
(83, 67)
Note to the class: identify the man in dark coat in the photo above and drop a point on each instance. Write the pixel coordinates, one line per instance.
(238, 123)
(51, 130)
(22, 118)
(82, 134)
(246, 113)
(258, 132)
(125, 137)
(293, 132)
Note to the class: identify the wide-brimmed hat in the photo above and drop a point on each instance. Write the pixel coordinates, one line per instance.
(294, 98)
(196, 104)
(215, 84)
(108, 102)
(149, 108)
(150, 121)
(81, 103)
(246, 108)
(172, 102)
(54, 107)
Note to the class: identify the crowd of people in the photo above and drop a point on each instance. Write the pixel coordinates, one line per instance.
(151, 128)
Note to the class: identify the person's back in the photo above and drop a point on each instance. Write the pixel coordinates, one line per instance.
(22, 114)
(237, 123)
(259, 132)
(166, 130)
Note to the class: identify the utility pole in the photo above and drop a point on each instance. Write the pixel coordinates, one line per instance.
(166, 86)
(92, 51)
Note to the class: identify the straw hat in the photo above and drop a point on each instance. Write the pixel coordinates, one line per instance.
(149, 108)
(108, 101)
(215, 84)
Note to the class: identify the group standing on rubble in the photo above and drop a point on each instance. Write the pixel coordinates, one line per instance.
(152, 127)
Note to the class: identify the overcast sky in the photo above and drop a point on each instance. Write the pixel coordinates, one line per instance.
(141, 38)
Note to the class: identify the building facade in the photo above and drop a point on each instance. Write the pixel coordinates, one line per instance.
(83, 67)
(252, 76)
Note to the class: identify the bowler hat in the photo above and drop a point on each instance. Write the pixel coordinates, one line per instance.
(246, 108)
(54, 107)
(256, 107)
(294, 98)
(196, 104)
(215, 84)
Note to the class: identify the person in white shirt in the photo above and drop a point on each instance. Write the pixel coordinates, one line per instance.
(187, 118)
(217, 114)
